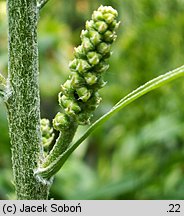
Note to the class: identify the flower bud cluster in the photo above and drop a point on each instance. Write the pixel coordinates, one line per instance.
(79, 95)
(47, 133)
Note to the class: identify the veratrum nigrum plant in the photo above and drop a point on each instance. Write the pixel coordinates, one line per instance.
(35, 156)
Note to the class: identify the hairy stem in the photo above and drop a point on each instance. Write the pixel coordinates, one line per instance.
(142, 90)
(24, 102)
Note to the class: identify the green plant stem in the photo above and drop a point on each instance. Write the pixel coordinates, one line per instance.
(62, 143)
(47, 172)
(24, 102)
(41, 4)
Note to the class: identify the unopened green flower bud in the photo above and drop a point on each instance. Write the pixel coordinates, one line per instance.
(107, 55)
(101, 26)
(109, 36)
(82, 66)
(103, 48)
(66, 88)
(84, 33)
(72, 108)
(97, 16)
(47, 141)
(94, 102)
(67, 84)
(90, 78)
(95, 37)
(114, 25)
(47, 132)
(90, 25)
(45, 128)
(64, 100)
(87, 45)
(44, 141)
(61, 121)
(93, 58)
(77, 80)
(60, 100)
(73, 64)
(84, 118)
(79, 52)
(101, 83)
(101, 67)
(69, 104)
(108, 9)
(109, 17)
(83, 93)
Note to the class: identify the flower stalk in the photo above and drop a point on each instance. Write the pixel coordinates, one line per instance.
(79, 95)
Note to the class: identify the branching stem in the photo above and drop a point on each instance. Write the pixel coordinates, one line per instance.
(62, 143)
(47, 172)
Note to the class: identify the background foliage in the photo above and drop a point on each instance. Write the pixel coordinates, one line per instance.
(138, 154)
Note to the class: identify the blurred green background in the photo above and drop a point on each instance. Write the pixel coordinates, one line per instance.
(139, 153)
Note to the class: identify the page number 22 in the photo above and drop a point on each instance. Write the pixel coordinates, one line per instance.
(174, 208)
